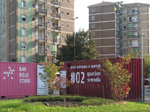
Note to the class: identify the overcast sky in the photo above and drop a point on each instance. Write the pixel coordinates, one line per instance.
(81, 11)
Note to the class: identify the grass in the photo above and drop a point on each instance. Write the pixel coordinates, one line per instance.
(18, 105)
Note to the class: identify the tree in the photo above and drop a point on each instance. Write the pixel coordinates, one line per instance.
(147, 68)
(84, 47)
(55, 82)
(118, 76)
(147, 65)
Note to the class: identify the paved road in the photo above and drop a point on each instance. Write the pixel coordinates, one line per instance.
(147, 93)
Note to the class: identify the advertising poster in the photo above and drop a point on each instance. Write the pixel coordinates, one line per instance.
(42, 85)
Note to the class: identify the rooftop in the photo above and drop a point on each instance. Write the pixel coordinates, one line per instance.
(102, 4)
(114, 3)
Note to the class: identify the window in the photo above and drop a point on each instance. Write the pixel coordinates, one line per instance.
(4, 33)
(47, 8)
(68, 25)
(47, 60)
(124, 11)
(33, 44)
(33, 59)
(129, 19)
(92, 17)
(47, 34)
(92, 10)
(62, 24)
(53, 11)
(4, 45)
(124, 18)
(23, 59)
(23, 17)
(23, 4)
(62, 12)
(92, 26)
(33, 19)
(124, 50)
(48, 21)
(4, 9)
(68, 13)
(23, 31)
(47, 47)
(93, 33)
(68, 1)
(23, 45)
(62, 0)
(124, 27)
(4, 20)
(33, 32)
(125, 34)
(125, 42)
(39, 21)
(62, 36)
(33, 5)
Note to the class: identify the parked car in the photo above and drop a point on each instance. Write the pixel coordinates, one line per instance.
(146, 82)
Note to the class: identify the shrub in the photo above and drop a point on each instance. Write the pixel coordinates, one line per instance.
(54, 98)
(97, 101)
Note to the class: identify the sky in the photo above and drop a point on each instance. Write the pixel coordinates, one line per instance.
(81, 11)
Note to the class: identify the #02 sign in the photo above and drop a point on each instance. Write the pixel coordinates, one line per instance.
(42, 86)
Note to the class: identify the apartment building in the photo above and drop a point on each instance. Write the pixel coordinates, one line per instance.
(118, 26)
(32, 30)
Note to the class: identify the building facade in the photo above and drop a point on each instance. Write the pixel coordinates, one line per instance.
(32, 30)
(117, 28)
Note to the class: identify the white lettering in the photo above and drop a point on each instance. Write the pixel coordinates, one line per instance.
(23, 74)
(86, 66)
(94, 79)
(93, 74)
(83, 76)
(24, 80)
(73, 67)
(78, 77)
(82, 67)
(96, 66)
(22, 68)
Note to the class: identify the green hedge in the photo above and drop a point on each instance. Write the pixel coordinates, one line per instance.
(55, 98)
(84, 100)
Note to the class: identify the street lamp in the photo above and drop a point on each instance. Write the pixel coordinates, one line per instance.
(142, 35)
(74, 35)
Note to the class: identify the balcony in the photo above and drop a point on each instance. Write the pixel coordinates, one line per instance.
(133, 36)
(55, 3)
(55, 28)
(53, 53)
(55, 40)
(42, 1)
(133, 28)
(41, 12)
(133, 12)
(41, 39)
(117, 27)
(134, 44)
(41, 26)
(41, 52)
(55, 15)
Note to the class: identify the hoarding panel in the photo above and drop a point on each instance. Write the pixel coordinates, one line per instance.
(42, 85)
